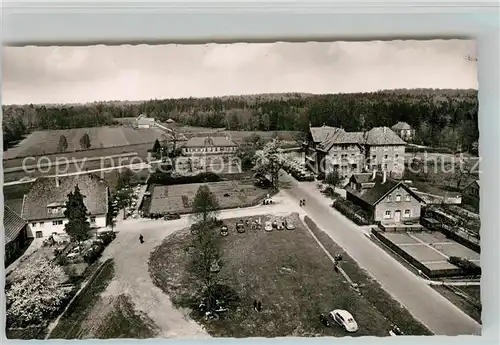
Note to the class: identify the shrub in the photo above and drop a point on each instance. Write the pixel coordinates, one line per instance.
(93, 253)
(167, 179)
(351, 211)
(467, 266)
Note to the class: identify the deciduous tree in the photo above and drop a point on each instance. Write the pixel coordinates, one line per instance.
(270, 160)
(205, 205)
(333, 179)
(36, 293)
(85, 143)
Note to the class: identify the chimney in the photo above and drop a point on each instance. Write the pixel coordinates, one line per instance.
(57, 181)
(384, 176)
(374, 173)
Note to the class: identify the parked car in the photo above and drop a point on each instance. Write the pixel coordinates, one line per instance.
(268, 226)
(289, 226)
(224, 231)
(281, 226)
(344, 319)
(275, 224)
(240, 228)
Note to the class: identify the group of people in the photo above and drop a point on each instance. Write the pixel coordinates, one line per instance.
(302, 202)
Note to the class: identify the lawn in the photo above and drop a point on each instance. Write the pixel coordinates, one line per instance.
(286, 270)
(371, 289)
(46, 142)
(92, 315)
(466, 298)
(178, 198)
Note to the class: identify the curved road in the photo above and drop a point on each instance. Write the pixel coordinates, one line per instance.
(438, 314)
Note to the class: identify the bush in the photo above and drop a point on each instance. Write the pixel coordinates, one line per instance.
(351, 211)
(93, 253)
(467, 266)
(106, 237)
(167, 179)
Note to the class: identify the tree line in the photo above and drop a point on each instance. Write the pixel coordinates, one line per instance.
(441, 118)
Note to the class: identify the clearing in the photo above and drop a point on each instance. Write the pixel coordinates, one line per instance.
(286, 270)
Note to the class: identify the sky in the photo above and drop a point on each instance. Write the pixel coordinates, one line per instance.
(102, 73)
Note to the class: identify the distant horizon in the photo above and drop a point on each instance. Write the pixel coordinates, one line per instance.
(79, 75)
(242, 95)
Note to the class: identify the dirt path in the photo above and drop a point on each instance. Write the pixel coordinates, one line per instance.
(131, 268)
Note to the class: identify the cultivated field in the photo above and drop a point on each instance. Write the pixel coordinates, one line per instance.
(179, 198)
(286, 270)
(46, 142)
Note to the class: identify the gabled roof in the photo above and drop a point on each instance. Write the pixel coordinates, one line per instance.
(12, 223)
(400, 126)
(45, 193)
(340, 137)
(374, 195)
(362, 177)
(214, 141)
(319, 134)
(382, 136)
(170, 121)
(476, 182)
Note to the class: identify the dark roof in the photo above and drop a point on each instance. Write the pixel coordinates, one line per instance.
(12, 223)
(373, 195)
(400, 126)
(382, 136)
(329, 136)
(362, 177)
(476, 182)
(45, 192)
(319, 134)
(215, 141)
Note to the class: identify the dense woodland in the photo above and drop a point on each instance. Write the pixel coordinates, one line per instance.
(442, 118)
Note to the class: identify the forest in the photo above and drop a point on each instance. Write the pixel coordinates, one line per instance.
(441, 118)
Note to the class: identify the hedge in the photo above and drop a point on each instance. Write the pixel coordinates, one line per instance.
(351, 211)
(166, 179)
(467, 266)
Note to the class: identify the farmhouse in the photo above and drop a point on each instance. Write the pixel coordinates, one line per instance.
(144, 122)
(470, 194)
(213, 145)
(384, 199)
(15, 230)
(331, 148)
(403, 130)
(44, 204)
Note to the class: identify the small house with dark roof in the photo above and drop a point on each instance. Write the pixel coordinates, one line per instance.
(212, 145)
(470, 194)
(386, 200)
(44, 204)
(16, 234)
(403, 130)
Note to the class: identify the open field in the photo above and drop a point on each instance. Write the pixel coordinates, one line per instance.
(46, 142)
(178, 198)
(101, 317)
(466, 298)
(429, 251)
(288, 272)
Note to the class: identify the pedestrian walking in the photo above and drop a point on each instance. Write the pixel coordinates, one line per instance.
(259, 306)
(255, 304)
(141, 239)
(300, 203)
(304, 202)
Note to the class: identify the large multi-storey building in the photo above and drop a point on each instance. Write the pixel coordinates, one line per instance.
(331, 148)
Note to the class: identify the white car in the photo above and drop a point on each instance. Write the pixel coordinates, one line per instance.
(268, 226)
(289, 226)
(344, 319)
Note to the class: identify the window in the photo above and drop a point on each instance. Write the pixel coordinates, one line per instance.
(407, 197)
(385, 166)
(398, 197)
(385, 148)
(407, 213)
(92, 219)
(374, 157)
(389, 198)
(41, 224)
(386, 156)
(33, 225)
(57, 222)
(387, 214)
(396, 156)
(39, 234)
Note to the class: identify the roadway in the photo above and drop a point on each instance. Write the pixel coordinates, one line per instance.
(429, 307)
